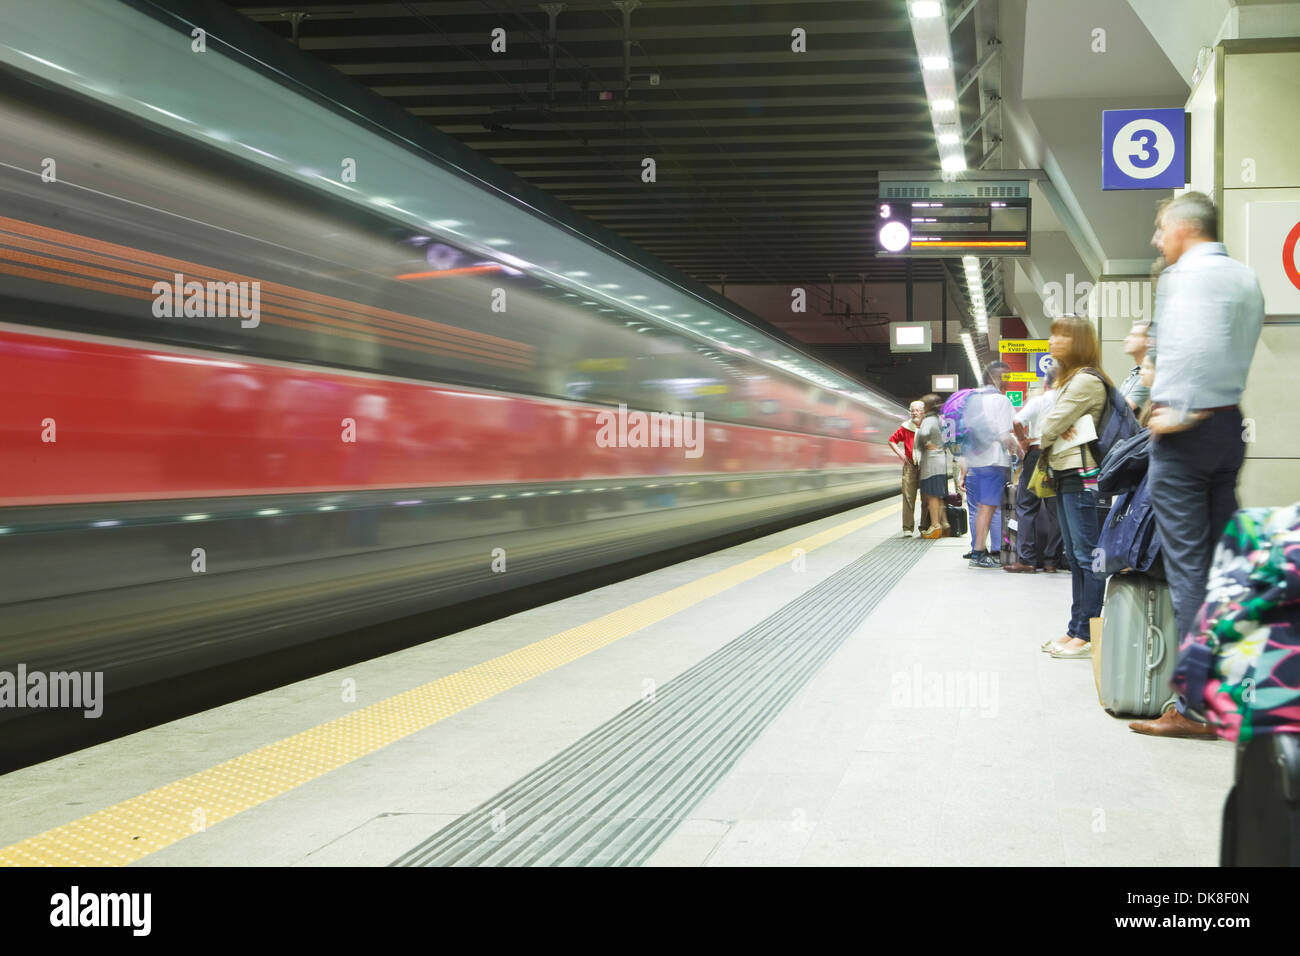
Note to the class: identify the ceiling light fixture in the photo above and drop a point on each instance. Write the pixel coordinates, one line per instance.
(933, 41)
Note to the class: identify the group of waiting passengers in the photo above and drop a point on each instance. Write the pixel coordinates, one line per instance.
(1208, 318)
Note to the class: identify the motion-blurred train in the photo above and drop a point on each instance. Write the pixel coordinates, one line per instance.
(245, 403)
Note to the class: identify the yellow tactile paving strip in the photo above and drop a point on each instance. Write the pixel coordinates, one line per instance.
(134, 828)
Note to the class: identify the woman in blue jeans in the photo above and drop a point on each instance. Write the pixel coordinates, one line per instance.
(1080, 391)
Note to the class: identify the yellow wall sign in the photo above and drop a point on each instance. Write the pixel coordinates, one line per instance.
(1021, 346)
(1019, 377)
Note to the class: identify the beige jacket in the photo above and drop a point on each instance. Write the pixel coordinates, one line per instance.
(1084, 395)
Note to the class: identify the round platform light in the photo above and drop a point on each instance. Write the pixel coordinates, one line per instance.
(894, 236)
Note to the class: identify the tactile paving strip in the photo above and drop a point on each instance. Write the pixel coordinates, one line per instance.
(134, 828)
(615, 796)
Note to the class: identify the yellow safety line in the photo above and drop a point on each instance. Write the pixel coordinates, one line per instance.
(134, 828)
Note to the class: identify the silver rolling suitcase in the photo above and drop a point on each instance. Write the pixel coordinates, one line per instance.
(1139, 646)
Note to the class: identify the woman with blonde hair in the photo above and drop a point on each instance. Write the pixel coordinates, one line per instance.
(1081, 392)
(933, 461)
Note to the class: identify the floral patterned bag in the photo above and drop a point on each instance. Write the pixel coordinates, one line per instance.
(1241, 666)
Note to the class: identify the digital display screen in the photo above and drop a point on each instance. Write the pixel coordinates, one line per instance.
(944, 228)
(909, 337)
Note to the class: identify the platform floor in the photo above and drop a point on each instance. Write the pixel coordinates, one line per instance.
(720, 712)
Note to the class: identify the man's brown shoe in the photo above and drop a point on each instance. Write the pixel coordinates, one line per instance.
(1049, 569)
(1018, 568)
(1172, 724)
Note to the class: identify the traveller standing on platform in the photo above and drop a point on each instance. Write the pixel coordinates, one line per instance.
(901, 444)
(1133, 389)
(1080, 393)
(986, 458)
(1209, 314)
(1034, 520)
(932, 461)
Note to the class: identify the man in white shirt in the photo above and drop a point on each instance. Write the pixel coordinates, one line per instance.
(1209, 314)
(1033, 520)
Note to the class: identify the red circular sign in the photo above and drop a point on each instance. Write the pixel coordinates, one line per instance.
(1288, 255)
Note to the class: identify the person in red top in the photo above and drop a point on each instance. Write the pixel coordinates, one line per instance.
(901, 443)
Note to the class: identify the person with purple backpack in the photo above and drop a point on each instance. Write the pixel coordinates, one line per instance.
(987, 449)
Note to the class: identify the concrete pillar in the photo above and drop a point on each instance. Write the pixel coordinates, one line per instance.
(1255, 84)
(1116, 302)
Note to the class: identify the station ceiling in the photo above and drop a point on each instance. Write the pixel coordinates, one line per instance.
(766, 158)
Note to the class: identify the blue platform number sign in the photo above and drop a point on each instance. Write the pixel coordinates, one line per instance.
(1143, 149)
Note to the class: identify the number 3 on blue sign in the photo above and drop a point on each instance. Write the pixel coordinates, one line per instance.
(1150, 155)
(1143, 149)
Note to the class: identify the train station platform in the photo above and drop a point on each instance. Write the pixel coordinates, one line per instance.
(827, 695)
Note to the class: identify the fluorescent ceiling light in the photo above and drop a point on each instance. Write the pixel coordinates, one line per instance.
(949, 139)
(954, 164)
(942, 106)
(934, 63)
(924, 9)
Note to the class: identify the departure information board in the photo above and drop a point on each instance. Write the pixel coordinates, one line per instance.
(949, 227)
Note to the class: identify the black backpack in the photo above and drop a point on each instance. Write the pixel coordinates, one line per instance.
(1126, 464)
(1116, 424)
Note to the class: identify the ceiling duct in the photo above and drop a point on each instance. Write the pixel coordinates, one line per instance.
(552, 11)
(626, 7)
